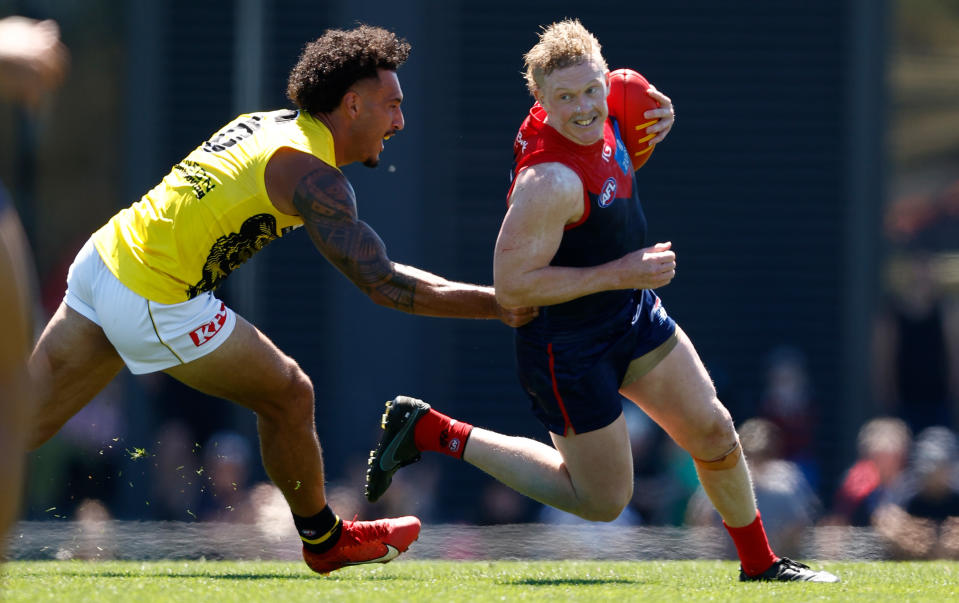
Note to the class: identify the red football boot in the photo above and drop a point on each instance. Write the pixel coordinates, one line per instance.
(361, 542)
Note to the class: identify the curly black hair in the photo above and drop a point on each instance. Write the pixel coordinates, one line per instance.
(338, 59)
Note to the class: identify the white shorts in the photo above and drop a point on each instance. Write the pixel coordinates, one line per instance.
(149, 336)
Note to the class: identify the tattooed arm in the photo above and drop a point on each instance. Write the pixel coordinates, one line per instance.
(326, 202)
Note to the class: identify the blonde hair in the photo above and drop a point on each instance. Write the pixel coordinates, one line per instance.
(560, 45)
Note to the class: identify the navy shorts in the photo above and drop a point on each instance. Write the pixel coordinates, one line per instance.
(573, 379)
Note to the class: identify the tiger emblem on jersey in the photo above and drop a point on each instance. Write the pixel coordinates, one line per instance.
(229, 251)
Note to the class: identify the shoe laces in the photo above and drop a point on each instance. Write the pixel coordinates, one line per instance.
(787, 562)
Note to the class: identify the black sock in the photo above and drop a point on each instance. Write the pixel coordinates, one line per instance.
(320, 532)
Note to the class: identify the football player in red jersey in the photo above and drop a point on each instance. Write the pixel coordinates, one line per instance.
(573, 243)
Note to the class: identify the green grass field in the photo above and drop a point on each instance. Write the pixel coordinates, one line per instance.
(253, 581)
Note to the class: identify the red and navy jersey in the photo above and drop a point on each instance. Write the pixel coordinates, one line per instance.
(613, 223)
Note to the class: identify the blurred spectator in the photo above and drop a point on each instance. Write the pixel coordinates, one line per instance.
(883, 449)
(33, 62)
(174, 485)
(665, 476)
(921, 519)
(916, 341)
(224, 476)
(83, 461)
(787, 401)
(789, 505)
(500, 504)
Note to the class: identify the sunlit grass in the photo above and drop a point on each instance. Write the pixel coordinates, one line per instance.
(251, 581)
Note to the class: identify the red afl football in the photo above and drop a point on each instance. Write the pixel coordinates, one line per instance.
(627, 102)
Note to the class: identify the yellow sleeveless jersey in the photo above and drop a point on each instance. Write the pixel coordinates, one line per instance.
(211, 213)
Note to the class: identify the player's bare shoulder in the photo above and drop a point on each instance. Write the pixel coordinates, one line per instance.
(290, 170)
(551, 187)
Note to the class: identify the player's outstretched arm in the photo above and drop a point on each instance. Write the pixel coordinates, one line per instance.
(326, 202)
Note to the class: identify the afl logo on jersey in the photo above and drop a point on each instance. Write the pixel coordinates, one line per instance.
(608, 192)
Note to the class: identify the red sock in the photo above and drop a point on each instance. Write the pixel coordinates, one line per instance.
(438, 433)
(753, 547)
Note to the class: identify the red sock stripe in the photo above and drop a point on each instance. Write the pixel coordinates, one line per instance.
(559, 399)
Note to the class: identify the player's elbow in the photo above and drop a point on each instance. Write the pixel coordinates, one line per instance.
(395, 300)
(512, 299)
(508, 300)
(511, 293)
(395, 293)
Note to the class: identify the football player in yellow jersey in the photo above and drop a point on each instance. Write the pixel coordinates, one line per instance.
(131, 299)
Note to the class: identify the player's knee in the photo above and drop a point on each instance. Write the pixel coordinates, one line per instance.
(301, 396)
(292, 402)
(715, 433)
(608, 507)
(603, 510)
(720, 428)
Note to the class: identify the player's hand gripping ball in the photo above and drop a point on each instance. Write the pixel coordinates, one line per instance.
(627, 102)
